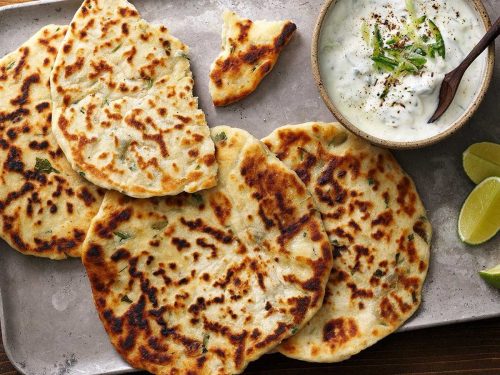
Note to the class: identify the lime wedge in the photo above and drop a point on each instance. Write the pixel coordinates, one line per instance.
(482, 160)
(492, 276)
(479, 218)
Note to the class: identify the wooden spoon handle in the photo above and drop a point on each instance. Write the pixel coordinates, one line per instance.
(489, 37)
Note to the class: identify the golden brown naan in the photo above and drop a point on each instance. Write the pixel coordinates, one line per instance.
(249, 52)
(379, 232)
(45, 207)
(124, 111)
(206, 283)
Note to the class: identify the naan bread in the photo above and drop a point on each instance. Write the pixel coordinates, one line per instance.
(249, 52)
(124, 112)
(206, 283)
(45, 207)
(379, 232)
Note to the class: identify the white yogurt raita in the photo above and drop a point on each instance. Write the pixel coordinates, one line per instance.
(379, 98)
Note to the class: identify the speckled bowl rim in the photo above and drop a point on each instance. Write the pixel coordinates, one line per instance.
(456, 125)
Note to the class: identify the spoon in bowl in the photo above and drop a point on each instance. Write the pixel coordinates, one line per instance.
(452, 80)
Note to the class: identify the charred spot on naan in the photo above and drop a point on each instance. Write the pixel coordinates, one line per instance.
(267, 182)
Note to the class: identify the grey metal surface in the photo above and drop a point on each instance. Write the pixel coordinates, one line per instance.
(48, 319)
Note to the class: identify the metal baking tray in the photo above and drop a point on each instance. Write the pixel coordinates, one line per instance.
(48, 320)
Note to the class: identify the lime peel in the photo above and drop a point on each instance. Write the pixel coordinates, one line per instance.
(482, 160)
(492, 276)
(479, 220)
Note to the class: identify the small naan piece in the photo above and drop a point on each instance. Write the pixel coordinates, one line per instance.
(249, 52)
(45, 207)
(379, 232)
(206, 283)
(124, 111)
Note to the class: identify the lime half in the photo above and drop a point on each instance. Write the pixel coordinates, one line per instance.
(482, 160)
(492, 276)
(480, 215)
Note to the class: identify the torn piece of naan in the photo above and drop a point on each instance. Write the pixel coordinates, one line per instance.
(249, 52)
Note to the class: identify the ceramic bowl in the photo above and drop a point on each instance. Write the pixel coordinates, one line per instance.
(456, 125)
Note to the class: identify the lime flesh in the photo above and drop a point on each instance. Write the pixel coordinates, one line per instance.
(492, 276)
(479, 218)
(482, 160)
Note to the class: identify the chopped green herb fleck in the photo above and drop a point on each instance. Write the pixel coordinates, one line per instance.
(159, 225)
(82, 110)
(410, 7)
(122, 235)
(206, 337)
(385, 63)
(117, 48)
(58, 29)
(304, 234)
(82, 174)
(220, 137)
(377, 41)
(302, 152)
(432, 50)
(126, 299)
(295, 330)
(365, 32)
(198, 167)
(422, 218)
(123, 269)
(338, 139)
(385, 92)
(10, 65)
(421, 52)
(122, 149)
(182, 54)
(371, 181)
(421, 20)
(411, 237)
(149, 83)
(439, 45)
(407, 66)
(417, 60)
(44, 166)
(198, 198)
